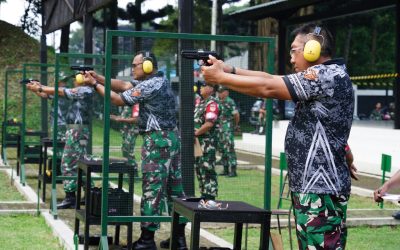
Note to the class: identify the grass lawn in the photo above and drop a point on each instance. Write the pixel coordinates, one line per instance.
(359, 238)
(7, 191)
(26, 232)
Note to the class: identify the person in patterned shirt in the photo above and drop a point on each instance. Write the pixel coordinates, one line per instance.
(227, 122)
(206, 112)
(319, 177)
(77, 134)
(161, 163)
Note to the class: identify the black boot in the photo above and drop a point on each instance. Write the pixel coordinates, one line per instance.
(181, 239)
(145, 242)
(68, 202)
(232, 173)
(225, 172)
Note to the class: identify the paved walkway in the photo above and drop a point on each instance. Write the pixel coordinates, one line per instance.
(367, 143)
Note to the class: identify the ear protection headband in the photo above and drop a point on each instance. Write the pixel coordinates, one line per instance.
(147, 63)
(312, 48)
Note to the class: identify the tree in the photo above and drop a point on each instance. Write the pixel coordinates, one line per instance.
(133, 14)
(29, 21)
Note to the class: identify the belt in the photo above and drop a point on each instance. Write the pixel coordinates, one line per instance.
(152, 131)
(77, 126)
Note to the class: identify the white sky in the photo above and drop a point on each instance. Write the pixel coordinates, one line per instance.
(12, 11)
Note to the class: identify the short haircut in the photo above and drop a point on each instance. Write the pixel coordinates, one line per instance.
(328, 45)
(149, 55)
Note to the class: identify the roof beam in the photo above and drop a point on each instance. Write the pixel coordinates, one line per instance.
(347, 10)
(273, 9)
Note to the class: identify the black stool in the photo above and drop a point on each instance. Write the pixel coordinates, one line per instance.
(237, 212)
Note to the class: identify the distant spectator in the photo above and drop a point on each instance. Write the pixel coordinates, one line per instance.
(389, 112)
(376, 114)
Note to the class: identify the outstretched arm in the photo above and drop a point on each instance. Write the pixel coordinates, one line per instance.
(37, 87)
(116, 84)
(254, 83)
(100, 89)
(393, 182)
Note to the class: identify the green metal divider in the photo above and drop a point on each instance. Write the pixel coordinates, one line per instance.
(23, 124)
(105, 169)
(5, 113)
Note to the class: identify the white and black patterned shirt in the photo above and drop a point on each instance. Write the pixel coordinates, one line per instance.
(156, 103)
(317, 134)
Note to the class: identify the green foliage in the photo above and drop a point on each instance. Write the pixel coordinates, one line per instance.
(372, 44)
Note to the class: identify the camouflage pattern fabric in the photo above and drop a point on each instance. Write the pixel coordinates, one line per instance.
(225, 129)
(320, 220)
(74, 150)
(129, 133)
(63, 106)
(162, 174)
(205, 165)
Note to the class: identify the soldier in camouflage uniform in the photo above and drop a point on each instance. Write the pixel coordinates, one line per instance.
(205, 118)
(161, 164)
(129, 133)
(319, 177)
(77, 134)
(227, 122)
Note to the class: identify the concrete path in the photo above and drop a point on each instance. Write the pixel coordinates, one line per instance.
(367, 143)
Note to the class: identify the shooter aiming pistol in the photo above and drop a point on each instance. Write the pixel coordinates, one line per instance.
(82, 68)
(200, 55)
(26, 81)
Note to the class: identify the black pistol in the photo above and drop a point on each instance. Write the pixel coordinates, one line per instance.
(200, 55)
(81, 68)
(26, 81)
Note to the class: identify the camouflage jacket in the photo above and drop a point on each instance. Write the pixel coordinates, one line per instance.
(206, 110)
(226, 114)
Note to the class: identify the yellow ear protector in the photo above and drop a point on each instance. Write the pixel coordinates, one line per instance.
(147, 63)
(79, 78)
(312, 48)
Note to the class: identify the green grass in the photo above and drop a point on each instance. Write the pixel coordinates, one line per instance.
(359, 238)
(26, 232)
(7, 191)
(249, 187)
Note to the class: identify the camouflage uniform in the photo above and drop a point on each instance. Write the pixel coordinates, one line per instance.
(161, 165)
(77, 134)
(324, 224)
(206, 110)
(226, 139)
(63, 105)
(129, 133)
(319, 176)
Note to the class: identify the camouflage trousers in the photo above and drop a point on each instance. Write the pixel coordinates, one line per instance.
(61, 130)
(205, 169)
(320, 220)
(162, 174)
(128, 147)
(75, 149)
(226, 146)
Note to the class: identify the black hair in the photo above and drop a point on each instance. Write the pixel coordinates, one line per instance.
(150, 56)
(328, 44)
